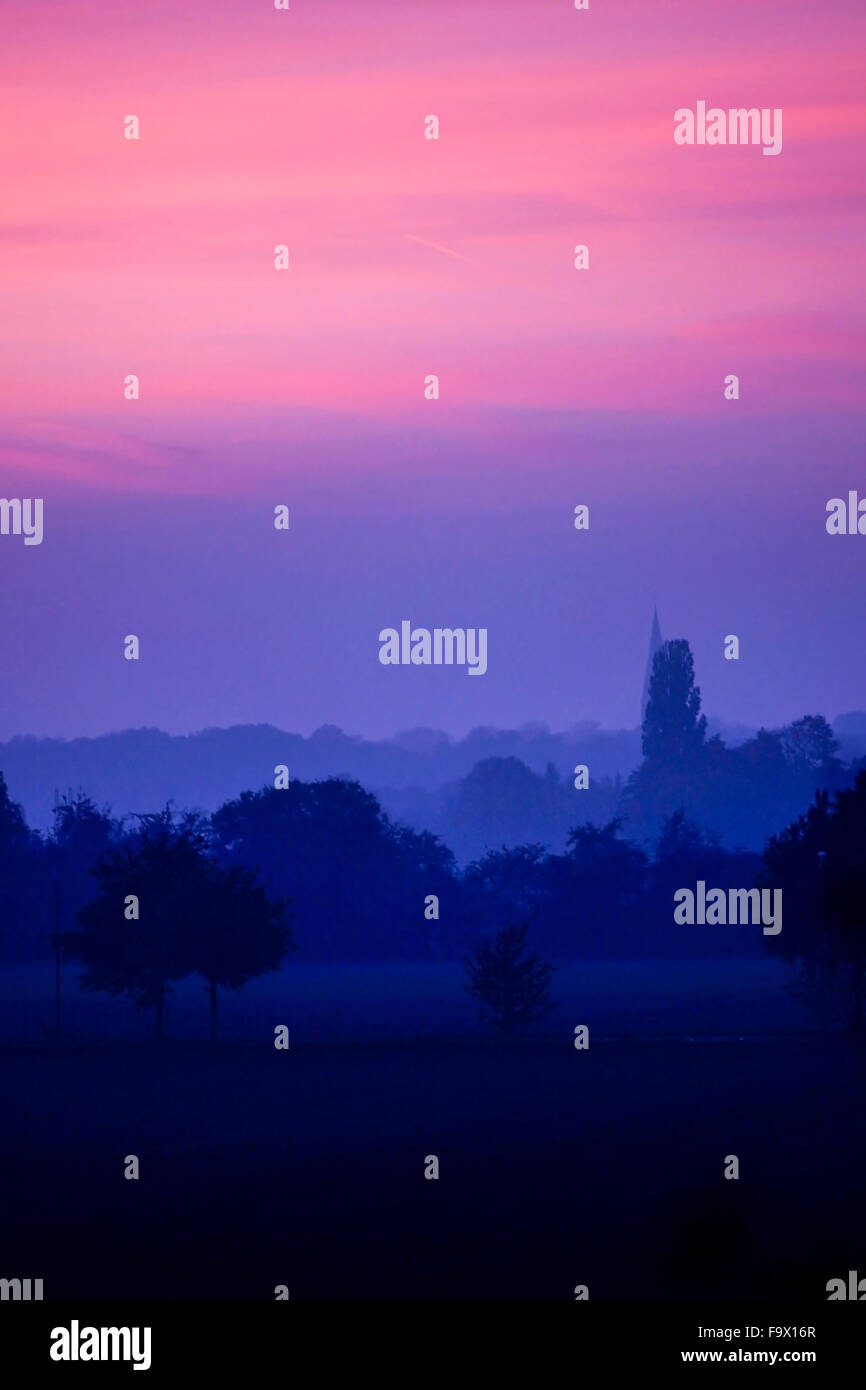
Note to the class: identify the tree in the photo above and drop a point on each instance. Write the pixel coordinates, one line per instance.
(600, 849)
(504, 882)
(681, 767)
(810, 745)
(191, 916)
(19, 905)
(502, 802)
(607, 871)
(13, 827)
(80, 836)
(239, 932)
(513, 987)
(355, 879)
(425, 865)
(686, 852)
(141, 957)
(819, 862)
(673, 728)
(681, 839)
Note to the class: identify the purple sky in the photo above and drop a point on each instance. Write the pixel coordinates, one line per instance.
(408, 257)
(239, 622)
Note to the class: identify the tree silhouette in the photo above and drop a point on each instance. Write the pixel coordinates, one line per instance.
(80, 836)
(502, 803)
(142, 958)
(681, 767)
(194, 916)
(819, 862)
(606, 871)
(681, 839)
(239, 932)
(17, 885)
(673, 726)
(506, 882)
(513, 987)
(350, 872)
(810, 746)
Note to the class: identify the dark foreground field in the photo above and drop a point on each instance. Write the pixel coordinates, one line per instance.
(558, 1168)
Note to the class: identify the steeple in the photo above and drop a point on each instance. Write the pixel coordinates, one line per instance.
(654, 644)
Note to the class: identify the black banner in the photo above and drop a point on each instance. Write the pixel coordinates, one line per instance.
(199, 1340)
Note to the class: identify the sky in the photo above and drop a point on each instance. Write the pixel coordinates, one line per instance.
(407, 257)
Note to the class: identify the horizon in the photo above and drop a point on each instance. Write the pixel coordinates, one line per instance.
(528, 729)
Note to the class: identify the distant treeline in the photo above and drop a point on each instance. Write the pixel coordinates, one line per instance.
(492, 788)
(358, 885)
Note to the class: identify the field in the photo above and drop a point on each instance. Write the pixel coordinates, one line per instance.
(557, 1167)
(378, 1002)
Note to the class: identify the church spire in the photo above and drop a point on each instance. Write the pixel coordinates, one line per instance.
(655, 643)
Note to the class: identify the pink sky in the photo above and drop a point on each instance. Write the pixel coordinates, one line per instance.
(260, 127)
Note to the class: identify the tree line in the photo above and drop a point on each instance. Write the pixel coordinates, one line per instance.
(318, 867)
